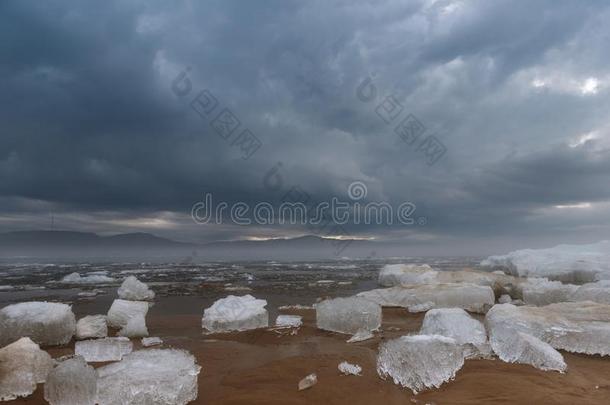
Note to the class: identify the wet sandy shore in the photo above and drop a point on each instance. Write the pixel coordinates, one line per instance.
(264, 367)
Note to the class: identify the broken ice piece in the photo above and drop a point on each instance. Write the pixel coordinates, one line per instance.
(136, 327)
(235, 313)
(107, 349)
(151, 341)
(121, 311)
(420, 361)
(349, 369)
(22, 366)
(91, 326)
(504, 299)
(46, 323)
(519, 347)
(308, 382)
(289, 321)
(134, 290)
(151, 377)
(459, 325)
(360, 336)
(348, 315)
(72, 382)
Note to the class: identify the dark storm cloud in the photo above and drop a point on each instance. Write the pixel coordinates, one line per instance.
(92, 131)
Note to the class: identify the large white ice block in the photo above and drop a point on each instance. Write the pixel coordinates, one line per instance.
(348, 315)
(235, 313)
(72, 382)
(46, 323)
(134, 290)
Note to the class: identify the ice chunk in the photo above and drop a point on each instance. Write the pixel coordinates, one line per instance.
(235, 313)
(308, 382)
(519, 347)
(72, 382)
(289, 321)
(421, 361)
(46, 323)
(579, 327)
(407, 274)
(348, 315)
(136, 327)
(149, 377)
(121, 311)
(106, 349)
(540, 291)
(75, 278)
(568, 263)
(349, 369)
(457, 324)
(151, 341)
(91, 326)
(134, 290)
(22, 366)
(596, 292)
(505, 299)
(473, 298)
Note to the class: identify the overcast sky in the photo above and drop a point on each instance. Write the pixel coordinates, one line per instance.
(518, 92)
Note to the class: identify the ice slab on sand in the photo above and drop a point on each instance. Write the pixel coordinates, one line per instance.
(541, 291)
(289, 321)
(407, 274)
(579, 327)
(597, 292)
(22, 366)
(151, 341)
(348, 315)
(46, 323)
(235, 313)
(519, 347)
(420, 361)
(91, 326)
(136, 327)
(473, 298)
(107, 349)
(121, 311)
(457, 324)
(134, 290)
(76, 278)
(72, 382)
(568, 263)
(411, 275)
(149, 377)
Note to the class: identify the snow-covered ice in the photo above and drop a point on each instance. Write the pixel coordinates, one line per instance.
(471, 297)
(348, 315)
(22, 366)
(150, 377)
(136, 327)
(72, 382)
(76, 278)
(289, 321)
(579, 327)
(46, 323)
(121, 311)
(235, 313)
(420, 361)
(134, 290)
(459, 325)
(91, 326)
(106, 349)
(151, 341)
(519, 347)
(568, 263)
(349, 368)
